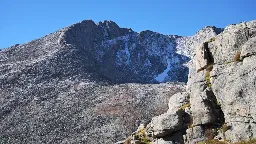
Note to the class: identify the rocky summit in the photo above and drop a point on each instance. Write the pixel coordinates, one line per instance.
(91, 83)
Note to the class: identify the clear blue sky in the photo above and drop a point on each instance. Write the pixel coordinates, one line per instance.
(24, 20)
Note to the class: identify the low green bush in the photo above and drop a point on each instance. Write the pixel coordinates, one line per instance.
(212, 39)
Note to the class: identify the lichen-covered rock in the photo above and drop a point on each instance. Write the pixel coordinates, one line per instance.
(163, 141)
(234, 86)
(240, 130)
(232, 82)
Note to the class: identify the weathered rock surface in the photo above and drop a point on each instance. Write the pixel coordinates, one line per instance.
(234, 83)
(167, 123)
(222, 102)
(177, 101)
(194, 134)
(202, 111)
(248, 49)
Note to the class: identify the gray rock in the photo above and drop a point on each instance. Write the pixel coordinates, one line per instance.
(240, 131)
(201, 105)
(167, 123)
(162, 141)
(175, 138)
(233, 83)
(231, 96)
(249, 48)
(120, 142)
(235, 89)
(178, 100)
(203, 57)
(194, 135)
(229, 42)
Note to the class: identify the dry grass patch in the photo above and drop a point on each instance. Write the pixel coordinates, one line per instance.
(252, 141)
(212, 141)
(207, 79)
(237, 56)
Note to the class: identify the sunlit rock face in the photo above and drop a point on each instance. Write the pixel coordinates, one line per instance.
(219, 102)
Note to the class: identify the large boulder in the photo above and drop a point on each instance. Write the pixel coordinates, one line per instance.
(201, 105)
(167, 123)
(178, 100)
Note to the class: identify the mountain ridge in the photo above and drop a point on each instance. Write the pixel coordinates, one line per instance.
(101, 37)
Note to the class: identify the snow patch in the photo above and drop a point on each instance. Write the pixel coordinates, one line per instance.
(183, 46)
(128, 55)
(122, 56)
(114, 41)
(119, 58)
(61, 38)
(161, 77)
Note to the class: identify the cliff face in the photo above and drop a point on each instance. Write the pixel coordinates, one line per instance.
(219, 102)
(123, 55)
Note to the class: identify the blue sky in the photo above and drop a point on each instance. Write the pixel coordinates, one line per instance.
(25, 20)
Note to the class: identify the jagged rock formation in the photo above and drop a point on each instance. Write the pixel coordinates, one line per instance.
(221, 89)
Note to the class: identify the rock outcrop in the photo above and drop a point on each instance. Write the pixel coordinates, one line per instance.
(167, 123)
(221, 88)
(233, 81)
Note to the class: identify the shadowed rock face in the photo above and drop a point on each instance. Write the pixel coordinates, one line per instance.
(123, 55)
(88, 83)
